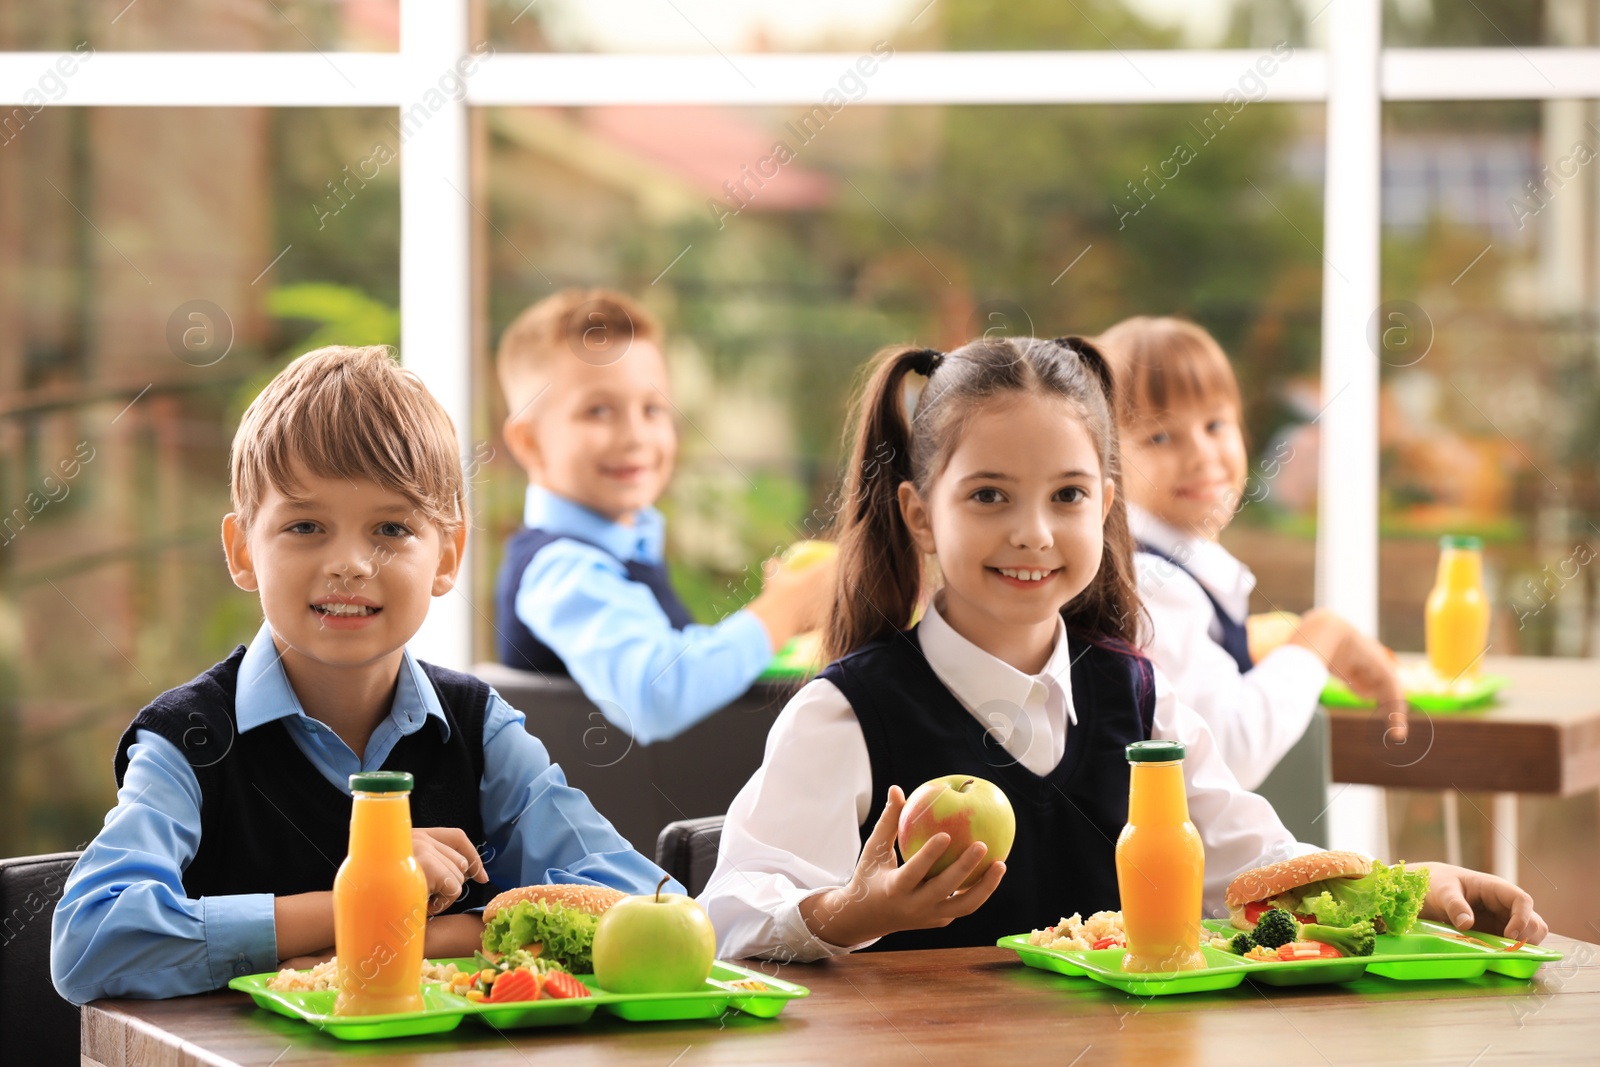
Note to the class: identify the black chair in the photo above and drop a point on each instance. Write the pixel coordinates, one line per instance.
(687, 850)
(642, 788)
(33, 1017)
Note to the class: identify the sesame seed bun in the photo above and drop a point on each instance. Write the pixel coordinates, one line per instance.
(594, 899)
(1264, 883)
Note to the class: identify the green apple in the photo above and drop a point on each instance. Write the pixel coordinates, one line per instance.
(968, 809)
(654, 944)
(803, 554)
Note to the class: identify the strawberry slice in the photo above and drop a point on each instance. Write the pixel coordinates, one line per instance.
(520, 984)
(562, 986)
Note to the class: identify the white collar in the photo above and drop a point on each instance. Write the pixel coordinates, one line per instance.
(1212, 566)
(976, 678)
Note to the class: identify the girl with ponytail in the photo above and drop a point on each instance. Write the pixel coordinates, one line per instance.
(992, 503)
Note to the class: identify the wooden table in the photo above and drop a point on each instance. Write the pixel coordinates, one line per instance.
(1542, 736)
(968, 1007)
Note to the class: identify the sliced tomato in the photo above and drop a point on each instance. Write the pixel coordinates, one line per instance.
(1253, 910)
(562, 986)
(520, 984)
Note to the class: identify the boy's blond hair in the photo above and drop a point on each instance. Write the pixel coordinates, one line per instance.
(1158, 362)
(595, 325)
(344, 412)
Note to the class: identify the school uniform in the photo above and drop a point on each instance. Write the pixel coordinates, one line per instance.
(229, 795)
(581, 595)
(927, 703)
(1198, 598)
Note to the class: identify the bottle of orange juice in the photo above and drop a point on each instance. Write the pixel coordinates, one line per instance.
(380, 902)
(1160, 864)
(1457, 619)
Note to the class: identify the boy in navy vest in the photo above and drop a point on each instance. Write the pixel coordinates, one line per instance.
(583, 588)
(233, 807)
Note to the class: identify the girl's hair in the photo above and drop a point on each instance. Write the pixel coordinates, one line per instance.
(1159, 362)
(880, 567)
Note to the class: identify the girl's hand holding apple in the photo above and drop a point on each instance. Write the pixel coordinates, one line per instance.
(884, 896)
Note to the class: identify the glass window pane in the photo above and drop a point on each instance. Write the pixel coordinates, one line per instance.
(907, 25)
(778, 280)
(1490, 397)
(1488, 23)
(202, 25)
(156, 266)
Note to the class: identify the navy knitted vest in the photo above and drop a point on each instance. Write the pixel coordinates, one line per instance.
(518, 646)
(269, 821)
(1235, 637)
(1064, 857)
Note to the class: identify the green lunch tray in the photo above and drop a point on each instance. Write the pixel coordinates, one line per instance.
(793, 661)
(1427, 952)
(443, 1011)
(1337, 695)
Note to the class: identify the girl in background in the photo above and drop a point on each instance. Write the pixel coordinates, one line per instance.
(1178, 419)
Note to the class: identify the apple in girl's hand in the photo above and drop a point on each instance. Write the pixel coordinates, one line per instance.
(968, 809)
(654, 944)
(803, 554)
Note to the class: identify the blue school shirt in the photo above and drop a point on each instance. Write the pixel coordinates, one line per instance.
(647, 678)
(124, 926)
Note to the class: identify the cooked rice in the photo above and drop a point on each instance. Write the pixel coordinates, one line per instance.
(325, 976)
(1073, 932)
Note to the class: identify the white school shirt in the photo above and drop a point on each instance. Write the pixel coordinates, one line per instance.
(1255, 717)
(794, 829)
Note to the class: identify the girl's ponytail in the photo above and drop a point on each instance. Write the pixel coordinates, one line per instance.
(880, 567)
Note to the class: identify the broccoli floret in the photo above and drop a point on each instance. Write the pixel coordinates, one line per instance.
(1356, 939)
(1241, 944)
(1276, 928)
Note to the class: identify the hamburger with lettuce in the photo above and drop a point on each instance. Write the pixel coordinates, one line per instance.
(1336, 889)
(550, 922)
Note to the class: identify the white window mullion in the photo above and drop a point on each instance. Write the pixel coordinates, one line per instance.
(435, 264)
(1347, 482)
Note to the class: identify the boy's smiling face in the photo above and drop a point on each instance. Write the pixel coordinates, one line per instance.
(1015, 519)
(345, 568)
(601, 435)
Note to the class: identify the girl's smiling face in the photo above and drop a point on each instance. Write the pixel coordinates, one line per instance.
(1016, 521)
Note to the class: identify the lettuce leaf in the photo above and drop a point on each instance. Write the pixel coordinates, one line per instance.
(566, 933)
(1391, 895)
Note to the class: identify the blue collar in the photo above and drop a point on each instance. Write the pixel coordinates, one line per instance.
(643, 541)
(265, 695)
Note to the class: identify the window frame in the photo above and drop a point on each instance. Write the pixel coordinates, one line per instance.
(1352, 76)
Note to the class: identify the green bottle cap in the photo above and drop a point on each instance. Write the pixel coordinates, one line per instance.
(381, 782)
(1461, 541)
(1155, 751)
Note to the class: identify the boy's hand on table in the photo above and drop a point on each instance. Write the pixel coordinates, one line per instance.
(1365, 665)
(794, 600)
(448, 860)
(884, 896)
(1472, 900)
(453, 936)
